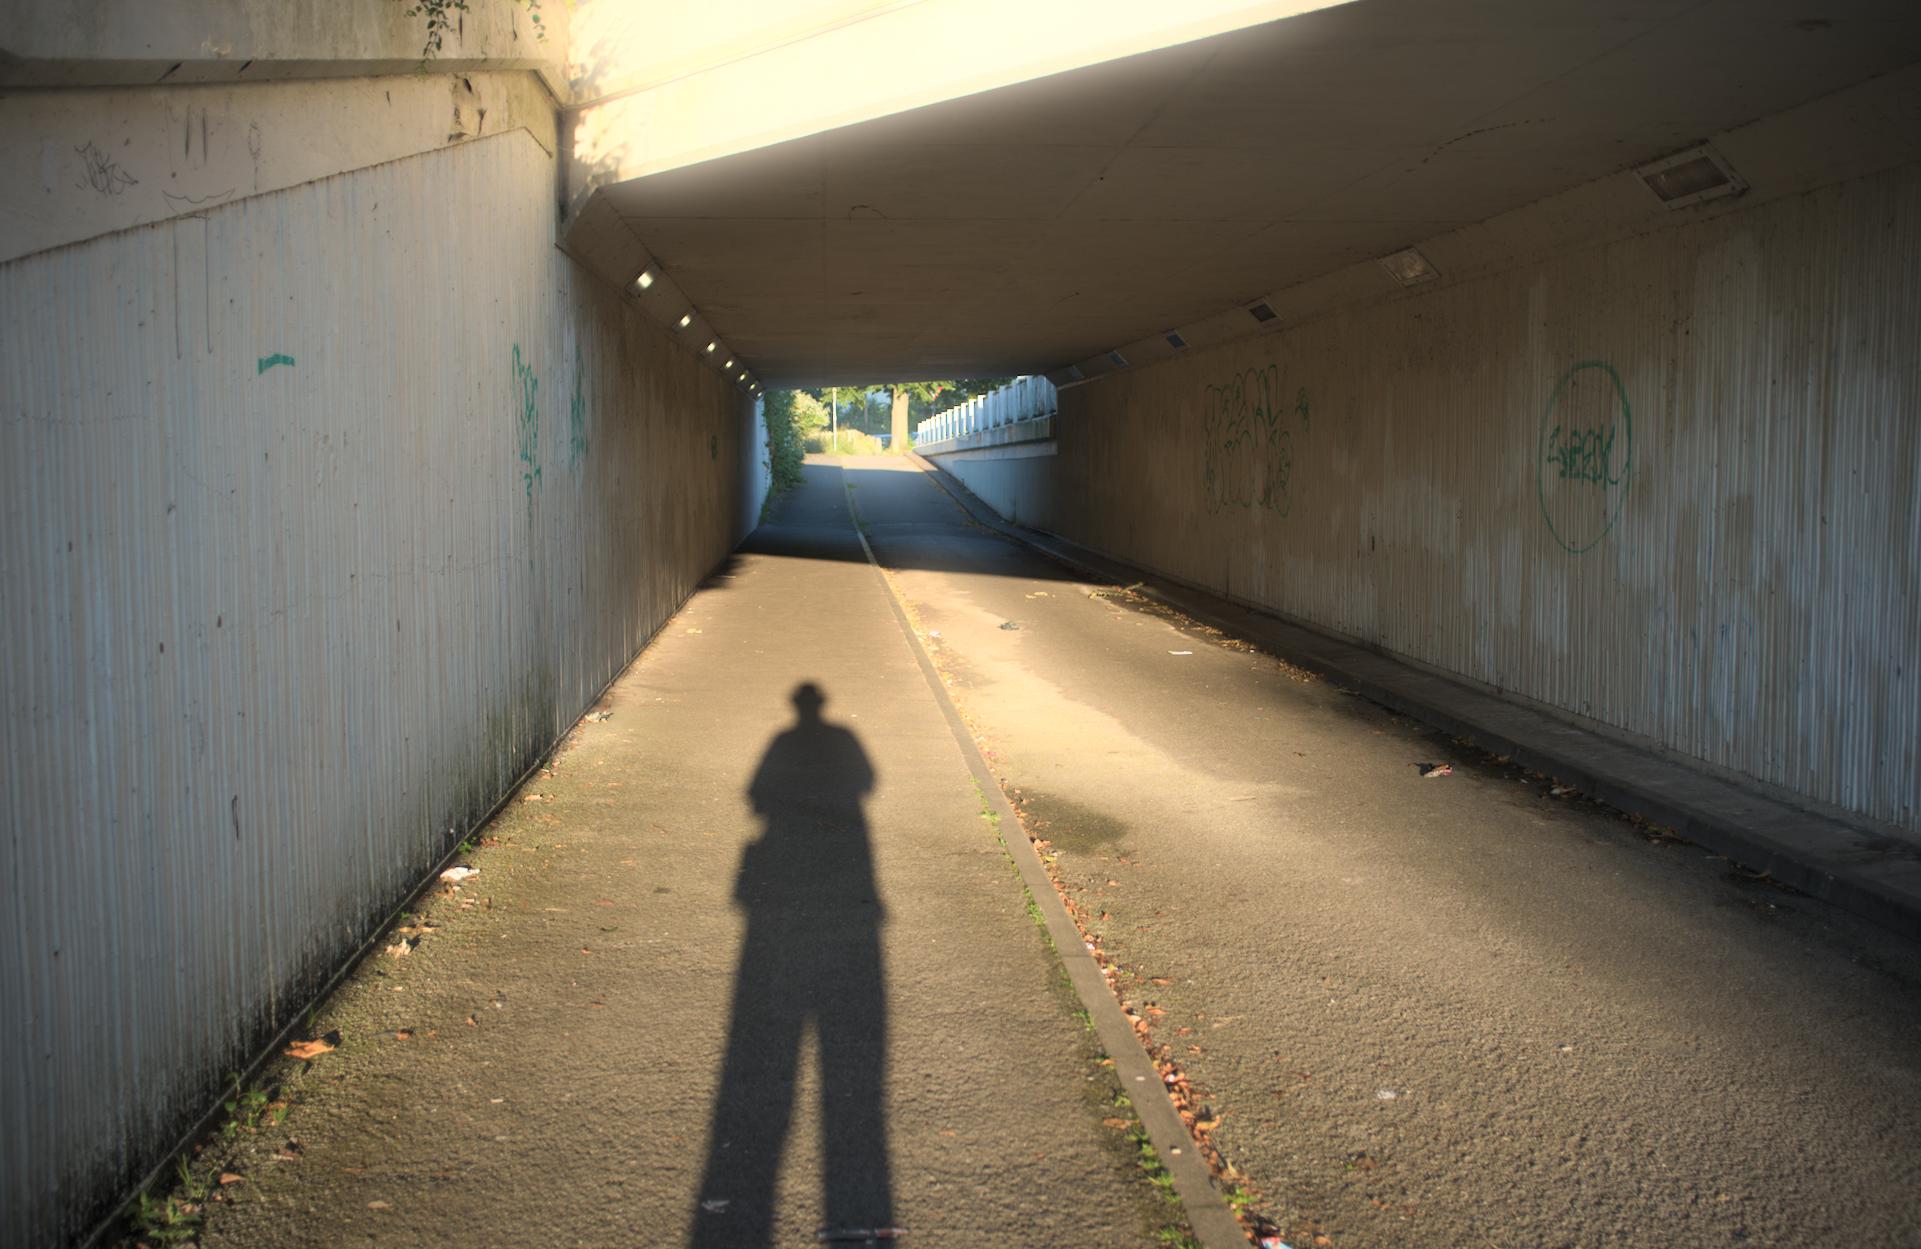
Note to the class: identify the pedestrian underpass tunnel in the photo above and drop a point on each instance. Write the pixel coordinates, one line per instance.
(379, 381)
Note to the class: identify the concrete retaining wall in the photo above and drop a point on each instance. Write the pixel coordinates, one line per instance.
(1664, 484)
(327, 510)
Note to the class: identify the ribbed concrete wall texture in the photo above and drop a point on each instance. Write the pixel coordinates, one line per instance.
(327, 510)
(1667, 484)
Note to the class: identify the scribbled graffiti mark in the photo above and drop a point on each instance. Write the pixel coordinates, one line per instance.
(99, 172)
(1584, 455)
(187, 204)
(1249, 449)
(528, 427)
(267, 362)
(577, 416)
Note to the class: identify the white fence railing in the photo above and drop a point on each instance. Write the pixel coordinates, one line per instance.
(1023, 399)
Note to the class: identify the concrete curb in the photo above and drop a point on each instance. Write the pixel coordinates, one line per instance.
(1871, 875)
(1207, 1212)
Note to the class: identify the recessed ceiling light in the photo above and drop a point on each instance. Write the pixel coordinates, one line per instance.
(1175, 340)
(1688, 178)
(645, 280)
(1409, 267)
(686, 319)
(712, 344)
(729, 364)
(1260, 311)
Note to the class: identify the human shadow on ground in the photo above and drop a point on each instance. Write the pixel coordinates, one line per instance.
(812, 956)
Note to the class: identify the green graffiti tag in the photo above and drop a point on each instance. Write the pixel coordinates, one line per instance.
(528, 429)
(1249, 449)
(1584, 455)
(577, 417)
(267, 362)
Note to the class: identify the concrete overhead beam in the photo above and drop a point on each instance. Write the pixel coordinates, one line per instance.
(660, 87)
(90, 162)
(111, 43)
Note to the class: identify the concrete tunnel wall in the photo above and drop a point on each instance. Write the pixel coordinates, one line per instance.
(328, 510)
(1665, 484)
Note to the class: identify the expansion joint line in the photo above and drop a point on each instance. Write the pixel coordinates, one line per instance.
(1208, 1213)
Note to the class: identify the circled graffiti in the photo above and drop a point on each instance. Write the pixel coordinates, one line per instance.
(1584, 455)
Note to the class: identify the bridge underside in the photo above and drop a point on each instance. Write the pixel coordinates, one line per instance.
(1046, 223)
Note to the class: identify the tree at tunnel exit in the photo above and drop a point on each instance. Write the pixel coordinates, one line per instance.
(910, 401)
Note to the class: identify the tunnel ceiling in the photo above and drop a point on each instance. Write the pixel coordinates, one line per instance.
(1027, 227)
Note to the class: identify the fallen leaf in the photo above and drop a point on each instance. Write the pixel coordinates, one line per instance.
(310, 1050)
(378, 1205)
(228, 1177)
(1115, 1123)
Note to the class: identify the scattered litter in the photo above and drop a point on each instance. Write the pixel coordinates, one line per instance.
(379, 1205)
(933, 633)
(401, 948)
(715, 1205)
(1038, 594)
(1429, 771)
(595, 717)
(1564, 1049)
(1385, 1095)
(1563, 791)
(533, 798)
(458, 874)
(1274, 1242)
(1009, 625)
(693, 630)
(307, 1051)
(1180, 652)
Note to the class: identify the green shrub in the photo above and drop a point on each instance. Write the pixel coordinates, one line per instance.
(852, 442)
(783, 441)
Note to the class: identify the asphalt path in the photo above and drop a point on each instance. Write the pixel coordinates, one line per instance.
(1457, 1011)
(743, 966)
